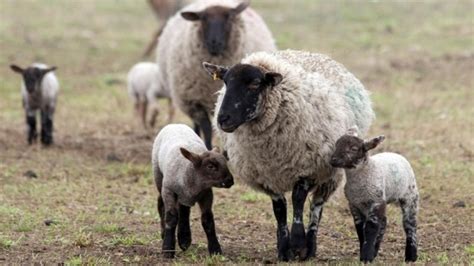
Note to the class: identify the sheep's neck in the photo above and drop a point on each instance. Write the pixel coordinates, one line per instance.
(360, 168)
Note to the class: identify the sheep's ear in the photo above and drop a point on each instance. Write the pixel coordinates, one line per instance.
(353, 131)
(17, 69)
(216, 150)
(216, 72)
(226, 155)
(373, 143)
(46, 70)
(273, 78)
(241, 7)
(191, 16)
(194, 158)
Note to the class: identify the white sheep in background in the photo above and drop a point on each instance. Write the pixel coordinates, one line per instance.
(39, 91)
(185, 172)
(372, 183)
(217, 31)
(279, 116)
(144, 86)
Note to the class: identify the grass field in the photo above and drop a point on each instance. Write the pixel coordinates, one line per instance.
(95, 184)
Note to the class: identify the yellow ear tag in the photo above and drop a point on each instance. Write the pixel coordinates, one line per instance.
(214, 76)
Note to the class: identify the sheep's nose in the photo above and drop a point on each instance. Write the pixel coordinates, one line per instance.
(222, 118)
(334, 162)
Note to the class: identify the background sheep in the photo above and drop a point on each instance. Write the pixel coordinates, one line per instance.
(218, 31)
(185, 173)
(372, 183)
(279, 116)
(144, 87)
(39, 91)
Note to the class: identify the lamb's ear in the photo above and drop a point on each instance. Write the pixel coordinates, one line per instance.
(191, 16)
(241, 7)
(353, 131)
(373, 143)
(46, 70)
(216, 72)
(17, 69)
(273, 78)
(194, 158)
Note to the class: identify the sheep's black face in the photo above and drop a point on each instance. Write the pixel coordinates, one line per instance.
(32, 76)
(243, 98)
(349, 152)
(216, 25)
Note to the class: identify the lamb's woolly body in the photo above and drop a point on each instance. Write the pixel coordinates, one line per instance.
(384, 178)
(46, 97)
(173, 172)
(303, 116)
(181, 52)
(143, 83)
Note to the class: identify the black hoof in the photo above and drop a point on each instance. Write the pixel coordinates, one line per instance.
(184, 240)
(215, 250)
(411, 254)
(168, 254)
(298, 240)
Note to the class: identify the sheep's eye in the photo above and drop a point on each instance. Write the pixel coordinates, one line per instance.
(255, 84)
(354, 148)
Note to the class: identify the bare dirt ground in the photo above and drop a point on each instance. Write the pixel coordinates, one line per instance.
(95, 186)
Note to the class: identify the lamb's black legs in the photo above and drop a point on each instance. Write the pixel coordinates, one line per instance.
(161, 212)
(184, 229)
(283, 235)
(31, 123)
(371, 231)
(207, 220)
(47, 126)
(169, 240)
(359, 221)
(409, 210)
(298, 237)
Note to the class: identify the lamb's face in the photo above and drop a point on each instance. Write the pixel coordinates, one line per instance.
(32, 76)
(243, 99)
(216, 25)
(211, 168)
(349, 152)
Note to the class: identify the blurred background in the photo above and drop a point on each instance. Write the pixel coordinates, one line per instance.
(95, 184)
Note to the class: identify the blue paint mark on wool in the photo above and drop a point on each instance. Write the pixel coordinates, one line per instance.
(358, 104)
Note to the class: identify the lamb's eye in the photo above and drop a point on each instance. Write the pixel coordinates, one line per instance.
(211, 167)
(354, 148)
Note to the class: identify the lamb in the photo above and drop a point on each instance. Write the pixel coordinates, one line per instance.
(279, 116)
(39, 91)
(144, 87)
(218, 31)
(372, 183)
(185, 172)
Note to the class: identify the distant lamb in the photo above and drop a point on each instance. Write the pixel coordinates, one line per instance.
(279, 116)
(144, 88)
(217, 31)
(185, 172)
(39, 91)
(372, 183)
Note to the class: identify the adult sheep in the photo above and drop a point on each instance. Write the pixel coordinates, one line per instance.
(217, 31)
(279, 116)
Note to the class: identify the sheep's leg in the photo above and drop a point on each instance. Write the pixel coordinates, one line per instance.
(283, 235)
(371, 231)
(143, 111)
(298, 237)
(359, 221)
(154, 114)
(184, 229)
(207, 221)
(316, 211)
(170, 111)
(171, 221)
(47, 126)
(409, 210)
(161, 212)
(206, 127)
(197, 129)
(31, 122)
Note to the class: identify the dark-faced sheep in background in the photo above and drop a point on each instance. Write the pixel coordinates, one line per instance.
(217, 31)
(279, 116)
(39, 91)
